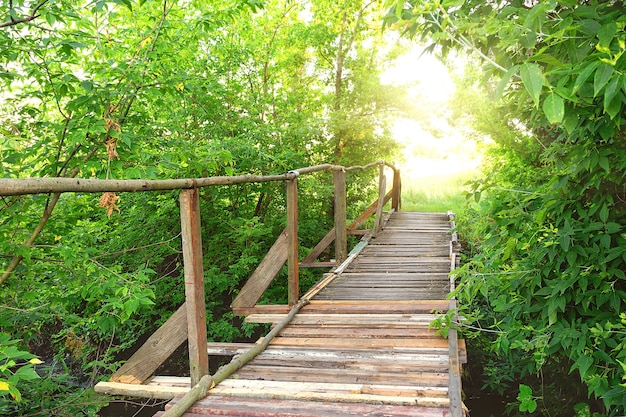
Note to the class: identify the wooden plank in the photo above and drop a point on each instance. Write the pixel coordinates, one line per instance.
(333, 389)
(455, 395)
(170, 381)
(412, 355)
(293, 286)
(318, 264)
(363, 332)
(264, 274)
(381, 259)
(228, 349)
(356, 343)
(273, 308)
(342, 376)
(334, 392)
(349, 319)
(343, 307)
(347, 294)
(194, 284)
(351, 306)
(341, 236)
(159, 346)
(357, 361)
(139, 391)
(258, 407)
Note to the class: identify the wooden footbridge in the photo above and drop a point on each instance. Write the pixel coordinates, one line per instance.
(357, 343)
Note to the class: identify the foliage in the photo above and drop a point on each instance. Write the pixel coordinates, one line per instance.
(124, 89)
(551, 260)
(15, 366)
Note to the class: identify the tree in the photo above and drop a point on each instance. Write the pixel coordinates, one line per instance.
(144, 89)
(555, 253)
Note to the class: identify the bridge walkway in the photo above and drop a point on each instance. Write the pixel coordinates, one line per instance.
(363, 345)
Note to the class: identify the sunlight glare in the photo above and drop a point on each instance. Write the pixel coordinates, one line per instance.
(433, 148)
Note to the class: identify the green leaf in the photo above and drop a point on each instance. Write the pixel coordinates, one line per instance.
(27, 373)
(504, 81)
(612, 227)
(453, 3)
(570, 122)
(604, 213)
(565, 241)
(525, 391)
(607, 33)
(614, 107)
(603, 161)
(399, 8)
(532, 77)
(583, 364)
(611, 90)
(601, 77)
(584, 75)
(554, 108)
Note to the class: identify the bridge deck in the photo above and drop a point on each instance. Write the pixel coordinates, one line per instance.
(362, 346)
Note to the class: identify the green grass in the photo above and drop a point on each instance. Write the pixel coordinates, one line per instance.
(437, 193)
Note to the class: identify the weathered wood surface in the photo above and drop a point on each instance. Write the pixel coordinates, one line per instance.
(223, 405)
(341, 229)
(191, 232)
(409, 259)
(293, 275)
(363, 345)
(155, 350)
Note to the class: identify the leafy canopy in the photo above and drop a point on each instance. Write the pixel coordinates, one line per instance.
(552, 254)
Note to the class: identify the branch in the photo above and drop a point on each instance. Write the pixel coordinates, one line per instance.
(42, 222)
(32, 16)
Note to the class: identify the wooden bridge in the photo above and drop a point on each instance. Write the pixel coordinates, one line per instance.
(358, 342)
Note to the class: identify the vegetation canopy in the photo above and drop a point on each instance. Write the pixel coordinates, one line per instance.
(549, 258)
(147, 89)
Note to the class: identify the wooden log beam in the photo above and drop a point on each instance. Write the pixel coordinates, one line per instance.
(21, 186)
(341, 236)
(139, 391)
(293, 286)
(396, 199)
(382, 185)
(155, 350)
(194, 284)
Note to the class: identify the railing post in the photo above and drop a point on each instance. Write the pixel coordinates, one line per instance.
(292, 239)
(341, 233)
(194, 284)
(396, 197)
(382, 188)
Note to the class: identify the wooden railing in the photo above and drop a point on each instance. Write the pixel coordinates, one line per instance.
(189, 321)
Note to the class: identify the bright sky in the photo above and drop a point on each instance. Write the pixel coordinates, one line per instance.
(432, 77)
(429, 80)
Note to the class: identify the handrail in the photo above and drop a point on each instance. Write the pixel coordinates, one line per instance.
(45, 185)
(191, 235)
